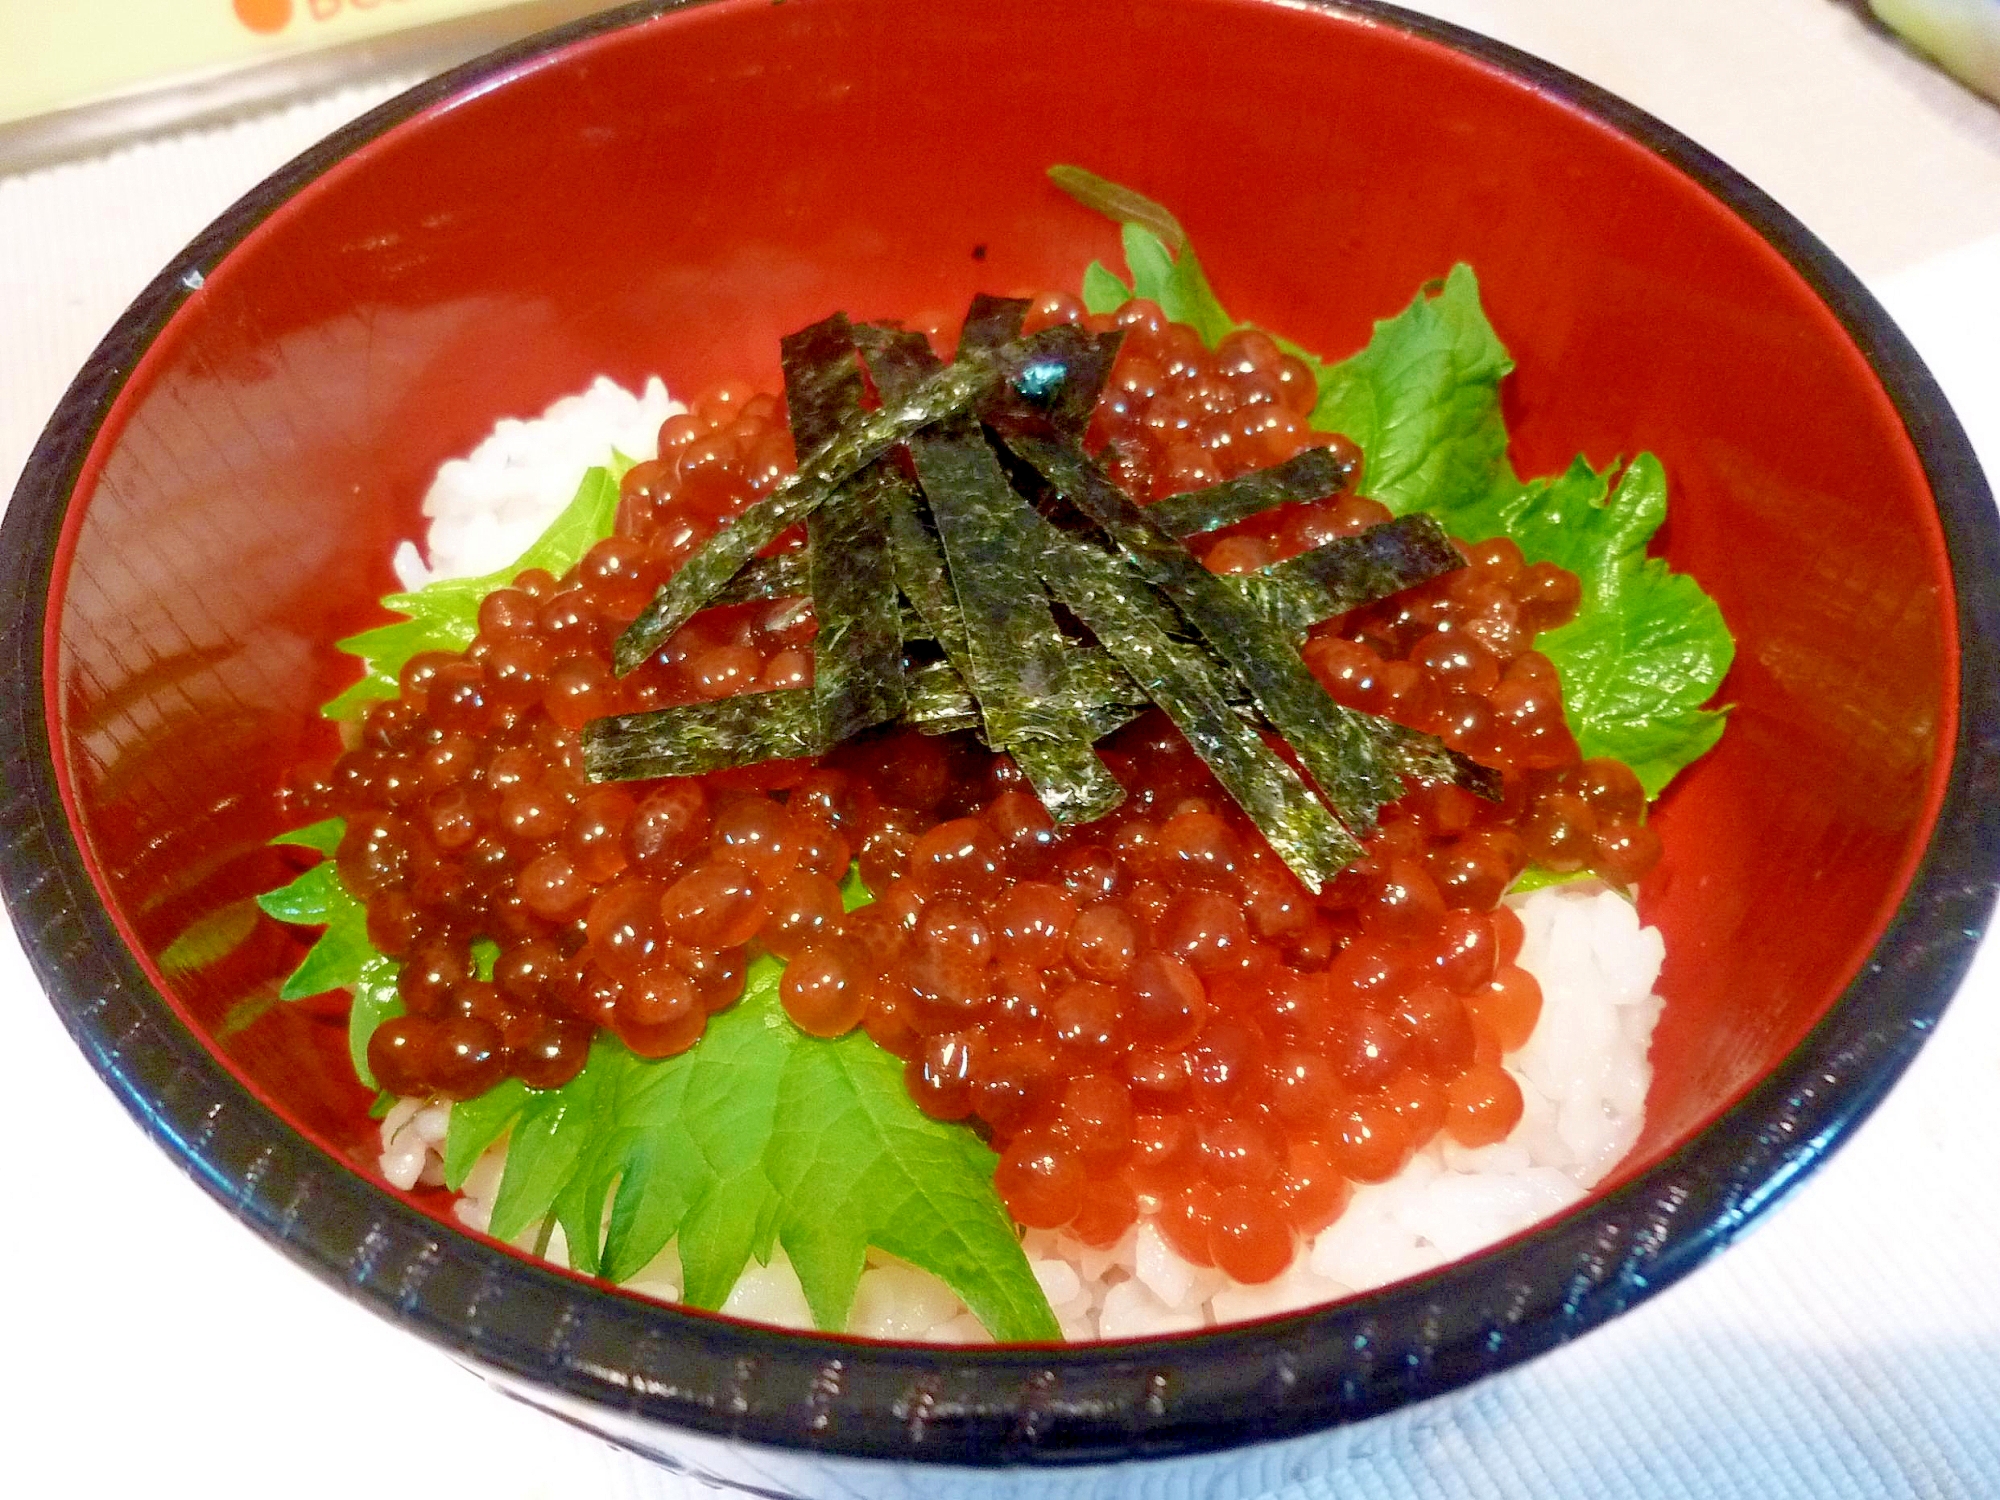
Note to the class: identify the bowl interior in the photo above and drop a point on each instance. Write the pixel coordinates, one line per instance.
(674, 196)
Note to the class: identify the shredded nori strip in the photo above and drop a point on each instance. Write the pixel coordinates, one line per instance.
(1350, 571)
(1061, 384)
(1341, 752)
(1016, 653)
(897, 358)
(1072, 782)
(963, 564)
(823, 386)
(700, 737)
(858, 649)
(1311, 475)
(779, 577)
(852, 448)
(938, 700)
(990, 322)
(1104, 694)
(921, 574)
(1425, 758)
(1102, 687)
(1105, 592)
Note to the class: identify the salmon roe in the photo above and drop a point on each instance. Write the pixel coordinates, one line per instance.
(1144, 1014)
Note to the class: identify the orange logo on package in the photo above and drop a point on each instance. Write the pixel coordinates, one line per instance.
(268, 17)
(264, 16)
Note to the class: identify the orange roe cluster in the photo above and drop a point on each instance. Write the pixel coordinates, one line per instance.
(1144, 1014)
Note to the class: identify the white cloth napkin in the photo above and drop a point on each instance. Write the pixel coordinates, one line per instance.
(1851, 1347)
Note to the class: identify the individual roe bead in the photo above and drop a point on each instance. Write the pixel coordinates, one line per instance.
(822, 992)
(1042, 1181)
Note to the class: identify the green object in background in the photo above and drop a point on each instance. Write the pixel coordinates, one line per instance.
(1962, 36)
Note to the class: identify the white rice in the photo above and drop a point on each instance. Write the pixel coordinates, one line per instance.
(487, 508)
(1583, 1073)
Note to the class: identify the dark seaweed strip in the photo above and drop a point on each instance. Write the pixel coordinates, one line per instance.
(1060, 384)
(1341, 753)
(991, 322)
(897, 358)
(1072, 782)
(1311, 475)
(780, 577)
(1106, 593)
(1015, 651)
(856, 445)
(823, 384)
(699, 737)
(1351, 571)
(938, 701)
(920, 573)
(1104, 693)
(1096, 680)
(1012, 643)
(858, 650)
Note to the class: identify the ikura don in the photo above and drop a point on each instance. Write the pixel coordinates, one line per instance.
(1073, 726)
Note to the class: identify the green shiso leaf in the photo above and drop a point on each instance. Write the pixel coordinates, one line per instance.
(316, 898)
(1163, 264)
(1178, 284)
(757, 1130)
(1422, 400)
(477, 1123)
(325, 836)
(845, 1129)
(343, 958)
(1648, 648)
(1103, 292)
(444, 616)
(375, 1001)
(1535, 878)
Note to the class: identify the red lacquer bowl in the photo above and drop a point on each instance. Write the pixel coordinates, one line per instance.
(671, 189)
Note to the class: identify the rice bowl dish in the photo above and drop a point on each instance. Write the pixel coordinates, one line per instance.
(1137, 1252)
(1678, 323)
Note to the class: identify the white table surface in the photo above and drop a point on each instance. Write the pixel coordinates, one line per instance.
(1850, 1347)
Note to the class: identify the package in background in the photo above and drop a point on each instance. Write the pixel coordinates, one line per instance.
(76, 74)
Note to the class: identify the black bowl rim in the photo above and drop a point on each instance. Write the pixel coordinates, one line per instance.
(1280, 1378)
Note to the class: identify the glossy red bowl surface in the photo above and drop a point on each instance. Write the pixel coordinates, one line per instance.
(674, 192)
